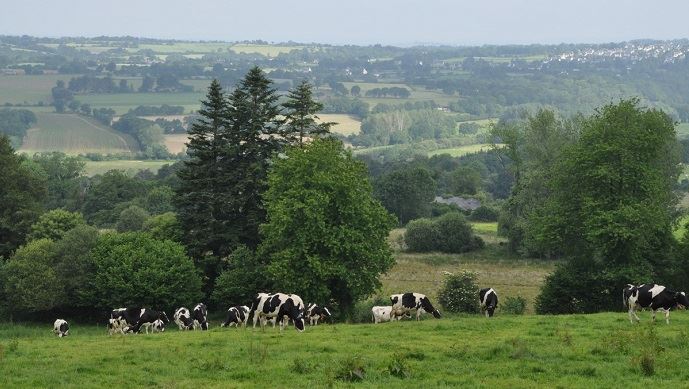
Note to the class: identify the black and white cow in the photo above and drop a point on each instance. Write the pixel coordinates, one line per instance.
(116, 323)
(489, 301)
(158, 326)
(626, 294)
(280, 306)
(135, 318)
(316, 312)
(237, 316)
(61, 328)
(656, 297)
(383, 314)
(407, 302)
(183, 319)
(200, 316)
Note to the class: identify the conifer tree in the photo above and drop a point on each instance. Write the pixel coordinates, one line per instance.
(301, 119)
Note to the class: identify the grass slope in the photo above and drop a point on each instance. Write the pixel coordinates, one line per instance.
(74, 134)
(572, 351)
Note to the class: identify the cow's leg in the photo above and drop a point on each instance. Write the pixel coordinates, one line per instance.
(667, 316)
(418, 314)
(653, 314)
(487, 314)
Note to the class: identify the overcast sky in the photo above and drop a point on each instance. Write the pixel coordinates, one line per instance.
(397, 22)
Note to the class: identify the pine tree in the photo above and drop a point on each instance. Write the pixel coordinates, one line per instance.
(200, 197)
(253, 137)
(301, 119)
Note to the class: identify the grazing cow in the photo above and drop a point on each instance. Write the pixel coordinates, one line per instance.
(135, 318)
(158, 326)
(656, 297)
(280, 306)
(626, 294)
(183, 319)
(61, 328)
(489, 301)
(407, 302)
(236, 316)
(383, 314)
(315, 312)
(116, 323)
(200, 316)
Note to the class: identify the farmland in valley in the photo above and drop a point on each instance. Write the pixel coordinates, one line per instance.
(75, 134)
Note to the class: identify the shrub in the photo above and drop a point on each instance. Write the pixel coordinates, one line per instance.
(514, 305)
(422, 236)
(136, 269)
(450, 233)
(132, 219)
(459, 293)
(484, 214)
(351, 369)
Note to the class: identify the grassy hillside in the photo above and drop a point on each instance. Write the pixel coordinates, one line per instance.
(572, 351)
(74, 134)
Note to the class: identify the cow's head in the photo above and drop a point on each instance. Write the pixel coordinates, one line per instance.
(681, 300)
(436, 314)
(325, 314)
(297, 316)
(162, 316)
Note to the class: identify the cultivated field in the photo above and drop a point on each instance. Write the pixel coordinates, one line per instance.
(346, 124)
(570, 351)
(74, 134)
(28, 89)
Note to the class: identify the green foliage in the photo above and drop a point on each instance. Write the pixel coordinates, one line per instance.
(326, 235)
(465, 181)
(406, 193)
(484, 213)
(300, 115)
(449, 233)
(459, 293)
(62, 173)
(54, 224)
(351, 369)
(242, 277)
(159, 200)
(398, 367)
(103, 203)
(74, 266)
(22, 190)
(29, 280)
(164, 226)
(15, 122)
(514, 305)
(362, 309)
(132, 218)
(136, 269)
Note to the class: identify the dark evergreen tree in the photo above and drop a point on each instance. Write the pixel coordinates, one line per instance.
(301, 119)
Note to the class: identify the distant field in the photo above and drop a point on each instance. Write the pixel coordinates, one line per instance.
(31, 89)
(346, 124)
(682, 130)
(461, 150)
(131, 167)
(175, 142)
(267, 50)
(74, 134)
(123, 102)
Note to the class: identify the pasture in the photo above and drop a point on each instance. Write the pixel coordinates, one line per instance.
(572, 351)
(461, 150)
(74, 134)
(28, 89)
(346, 124)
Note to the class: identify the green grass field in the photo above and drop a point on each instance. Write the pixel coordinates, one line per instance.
(461, 150)
(682, 130)
(569, 351)
(74, 134)
(130, 167)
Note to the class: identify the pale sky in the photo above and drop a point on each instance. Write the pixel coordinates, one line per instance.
(361, 22)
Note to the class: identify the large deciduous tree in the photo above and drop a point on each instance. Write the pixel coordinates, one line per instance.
(325, 238)
(407, 193)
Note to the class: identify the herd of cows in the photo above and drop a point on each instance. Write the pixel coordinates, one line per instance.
(282, 308)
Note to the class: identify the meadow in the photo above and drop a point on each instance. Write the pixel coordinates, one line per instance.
(569, 351)
(74, 134)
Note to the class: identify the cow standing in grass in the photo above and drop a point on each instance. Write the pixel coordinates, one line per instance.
(200, 316)
(280, 306)
(61, 328)
(656, 297)
(316, 312)
(408, 302)
(183, 319)
(489, 301)
(236, 316)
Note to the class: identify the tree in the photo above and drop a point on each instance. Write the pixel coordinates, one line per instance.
(63, 174)
(147, 84)
(465, 181)
(243, 274)
(74, 266)
(22, 191)
(200, 195)
(134, 269)
(612, 204)
(355, 91)
(54, 224)
(164, 226)
(301, 119)
(407, 193)
(107, 193)
(325, 237)
(30, 283)
(132, 218)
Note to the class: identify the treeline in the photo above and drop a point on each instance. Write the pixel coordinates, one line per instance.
(146, 132)
(15, 122)
(163, 110)
(394, 91)
(397, 127)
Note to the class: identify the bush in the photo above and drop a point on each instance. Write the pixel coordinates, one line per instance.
(514, 305)
(449, 233)
(484, 214)
(135, 269)
(422, 236)
(132, 219)
(242, 278)
(459, 293)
